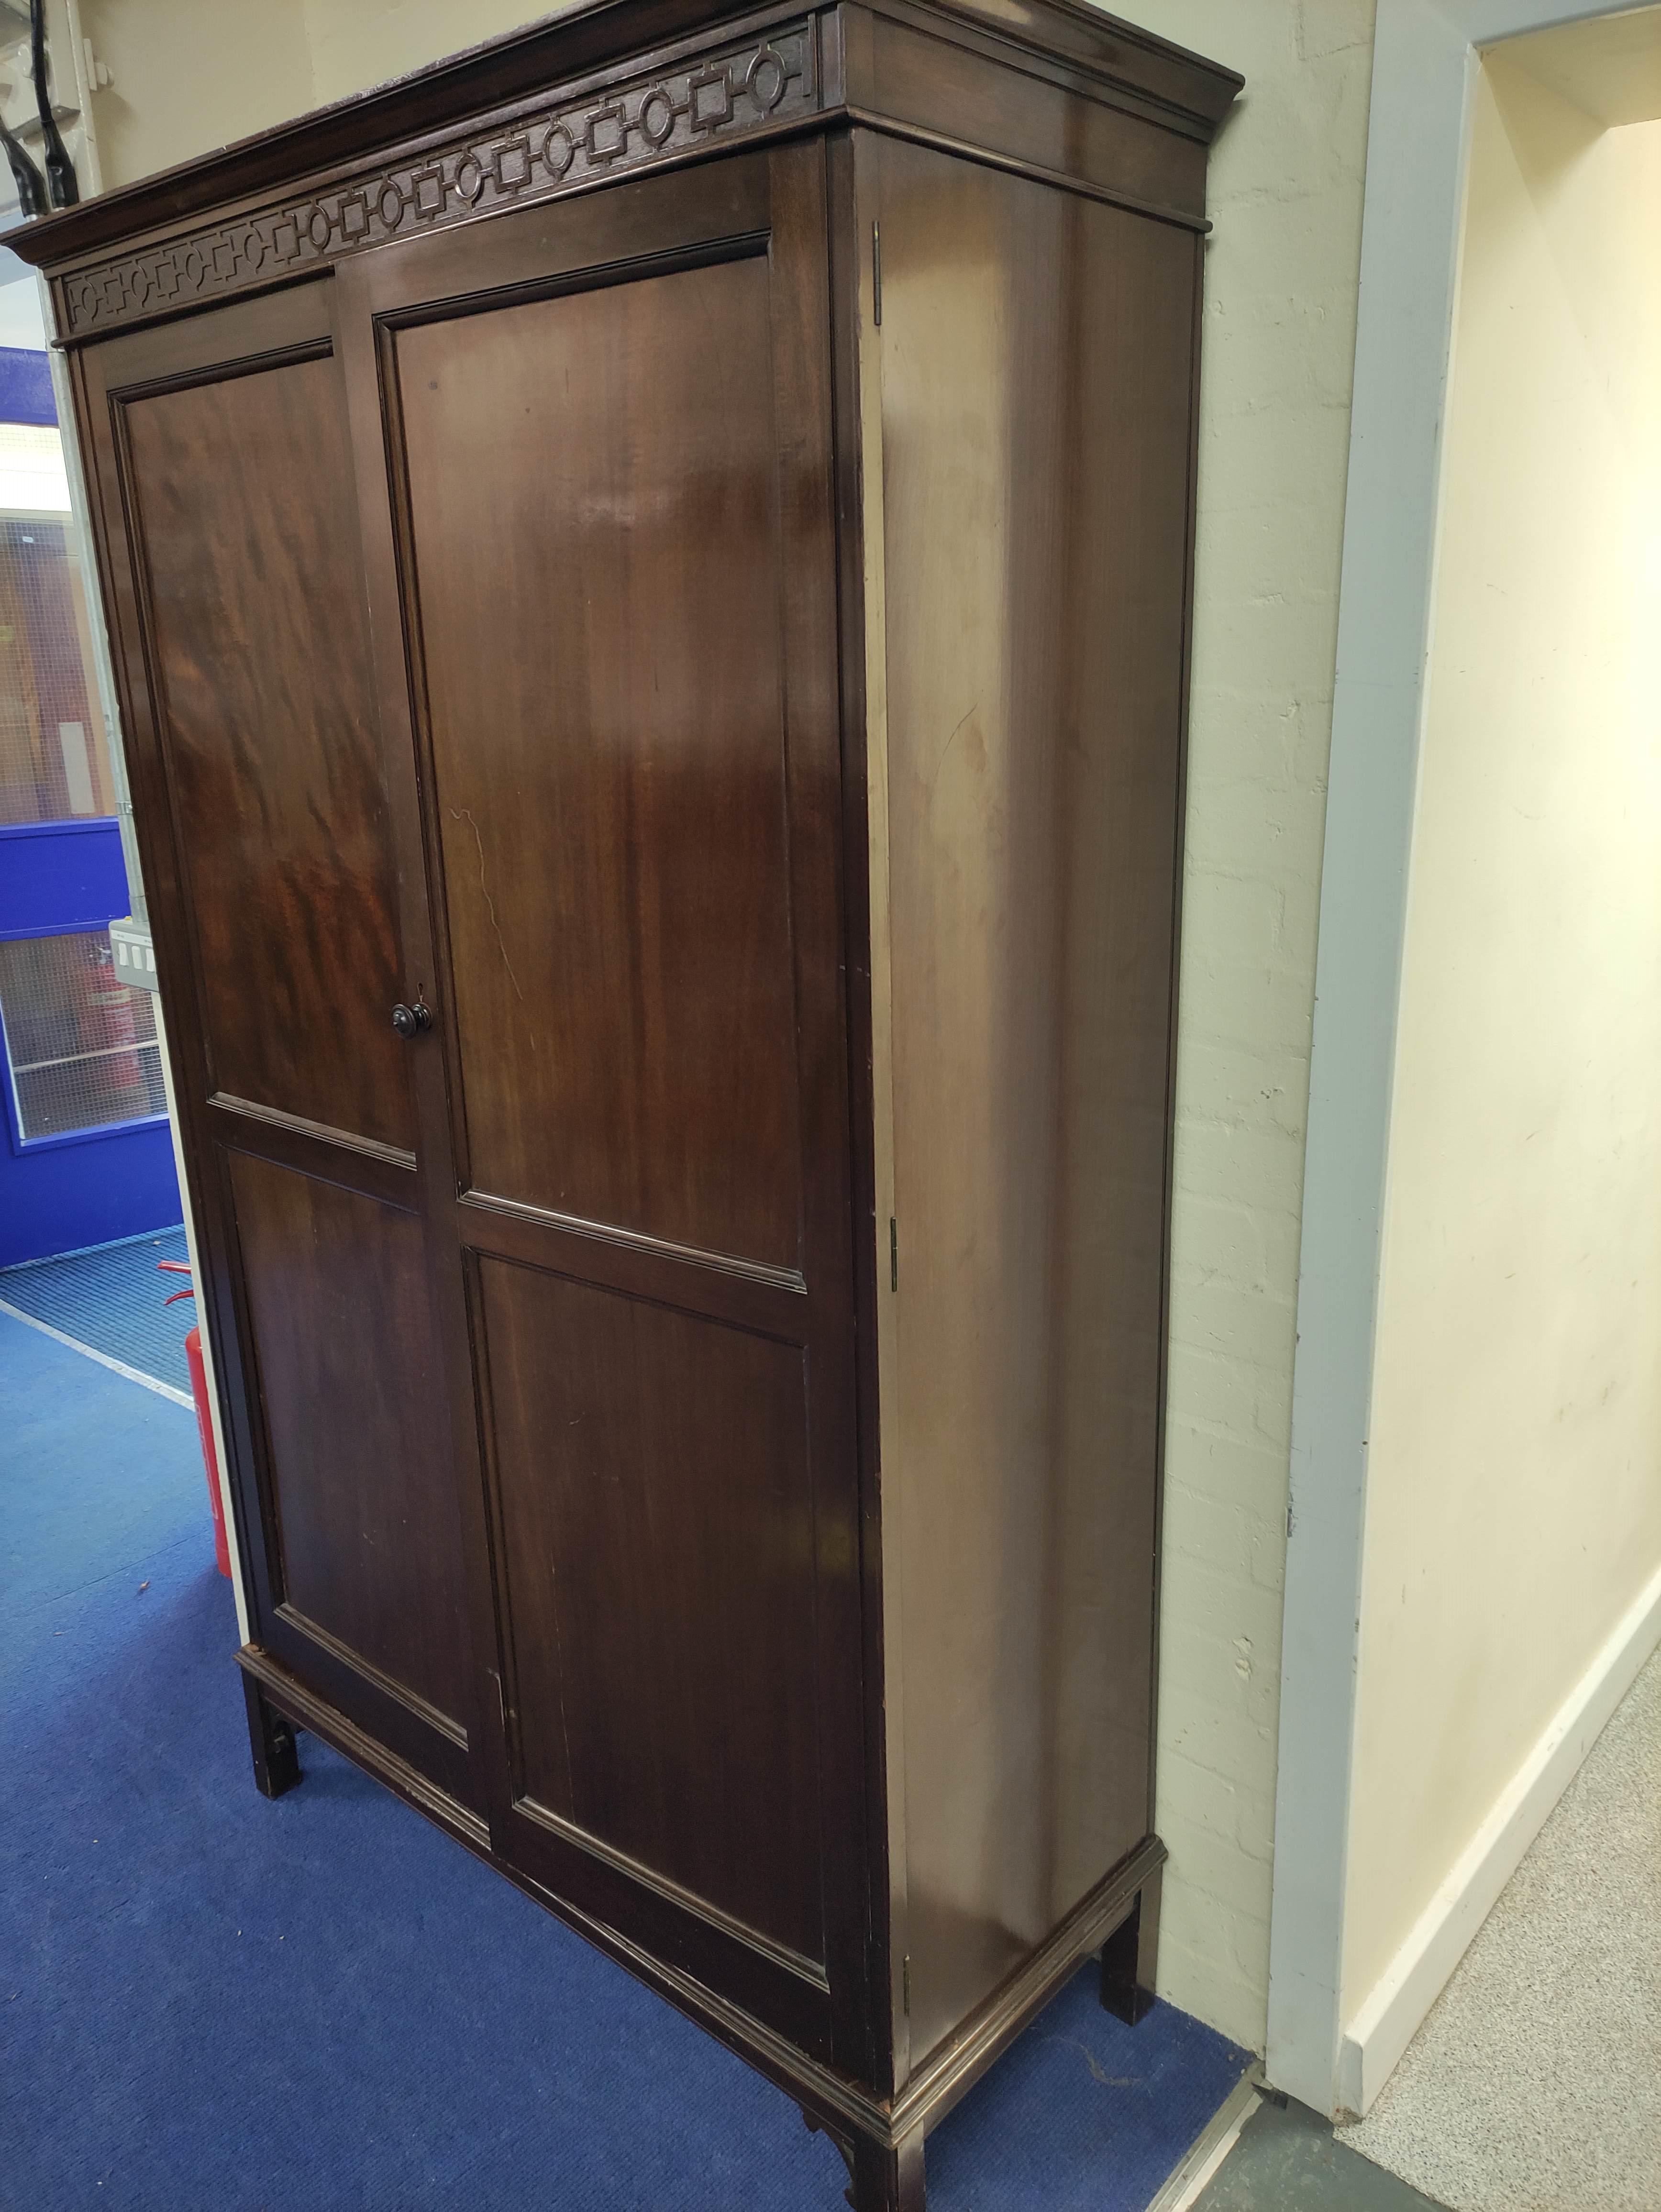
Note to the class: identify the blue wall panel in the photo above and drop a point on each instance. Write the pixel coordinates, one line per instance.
(26, 392)
(59, 1197)
(58, 875)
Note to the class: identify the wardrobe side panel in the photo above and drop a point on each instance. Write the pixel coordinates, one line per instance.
(1036, 362)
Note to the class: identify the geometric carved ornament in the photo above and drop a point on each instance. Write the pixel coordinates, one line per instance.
(720, 95)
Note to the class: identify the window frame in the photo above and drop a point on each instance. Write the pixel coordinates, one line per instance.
(25, 1146)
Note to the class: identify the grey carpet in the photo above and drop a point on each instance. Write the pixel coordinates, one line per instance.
(1535, 2085)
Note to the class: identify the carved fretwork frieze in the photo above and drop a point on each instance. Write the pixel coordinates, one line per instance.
(718, 95)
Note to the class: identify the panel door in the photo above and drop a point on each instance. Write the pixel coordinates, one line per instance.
(221, 459)
(612, 532)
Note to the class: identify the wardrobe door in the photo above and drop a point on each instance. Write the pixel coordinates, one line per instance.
(609, 423)
(222, 468)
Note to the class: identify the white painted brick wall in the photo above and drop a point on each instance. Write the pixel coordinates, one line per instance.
(1279, 338)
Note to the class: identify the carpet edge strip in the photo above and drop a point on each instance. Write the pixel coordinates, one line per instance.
(90, 1352)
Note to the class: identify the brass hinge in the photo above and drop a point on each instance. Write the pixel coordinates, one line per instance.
(876, 274)
(894, 1254)
(905, 1984)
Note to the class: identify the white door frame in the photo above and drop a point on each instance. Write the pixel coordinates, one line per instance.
(1423, 68)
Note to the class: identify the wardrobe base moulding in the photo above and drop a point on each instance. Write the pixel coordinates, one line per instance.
(829, 2103)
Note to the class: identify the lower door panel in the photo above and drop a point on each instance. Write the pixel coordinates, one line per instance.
(655, 1568)
(363, 1537)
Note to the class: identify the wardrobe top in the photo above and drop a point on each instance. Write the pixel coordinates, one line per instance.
(615, 85)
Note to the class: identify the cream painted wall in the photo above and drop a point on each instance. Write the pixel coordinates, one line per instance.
(1513, 1504)
(364, 44)
(191, 74)
(1279, 327)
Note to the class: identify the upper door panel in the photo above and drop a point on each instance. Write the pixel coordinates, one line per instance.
(593, 486)
(247, 540)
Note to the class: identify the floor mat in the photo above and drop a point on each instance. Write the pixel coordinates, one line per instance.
(1288, 2159)
(113, 1298)
(209, 2003)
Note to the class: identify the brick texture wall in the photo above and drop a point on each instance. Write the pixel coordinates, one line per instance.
(1279, 347)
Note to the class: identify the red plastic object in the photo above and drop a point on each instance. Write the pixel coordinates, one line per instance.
(221, 1549)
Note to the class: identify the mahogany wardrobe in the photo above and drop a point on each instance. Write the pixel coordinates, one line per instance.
(647, 568)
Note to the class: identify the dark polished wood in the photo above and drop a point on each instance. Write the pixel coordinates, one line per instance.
(842, 2106)
(619, 616)
(1035, 684)
(909, 76)
(889, 2177)
(850, 308)
(566, 107)
(241, 495)
(665, 545)
(657, 1578)
(593, 502)
(1129, 1957)
(270, 1740)
(364, 1508)
(249, 707)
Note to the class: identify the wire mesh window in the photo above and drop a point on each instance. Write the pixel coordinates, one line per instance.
(52, 764)
(80, 1046)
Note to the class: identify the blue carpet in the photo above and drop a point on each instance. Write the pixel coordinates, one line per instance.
(209, 2003)
(113, 1298)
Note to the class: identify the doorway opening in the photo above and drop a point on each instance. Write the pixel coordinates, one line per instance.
(1510, 1594)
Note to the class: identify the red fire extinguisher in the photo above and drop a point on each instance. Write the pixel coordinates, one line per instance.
(204, 1418)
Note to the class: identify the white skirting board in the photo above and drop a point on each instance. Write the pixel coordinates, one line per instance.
(1387, 2022)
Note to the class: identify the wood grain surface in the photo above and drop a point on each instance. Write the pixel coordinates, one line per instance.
(248, 537)
(595, 505)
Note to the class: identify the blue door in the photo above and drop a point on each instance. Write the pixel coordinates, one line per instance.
(86, 1156)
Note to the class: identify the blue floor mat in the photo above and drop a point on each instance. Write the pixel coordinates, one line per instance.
(209, 2003)
(113, 1299)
